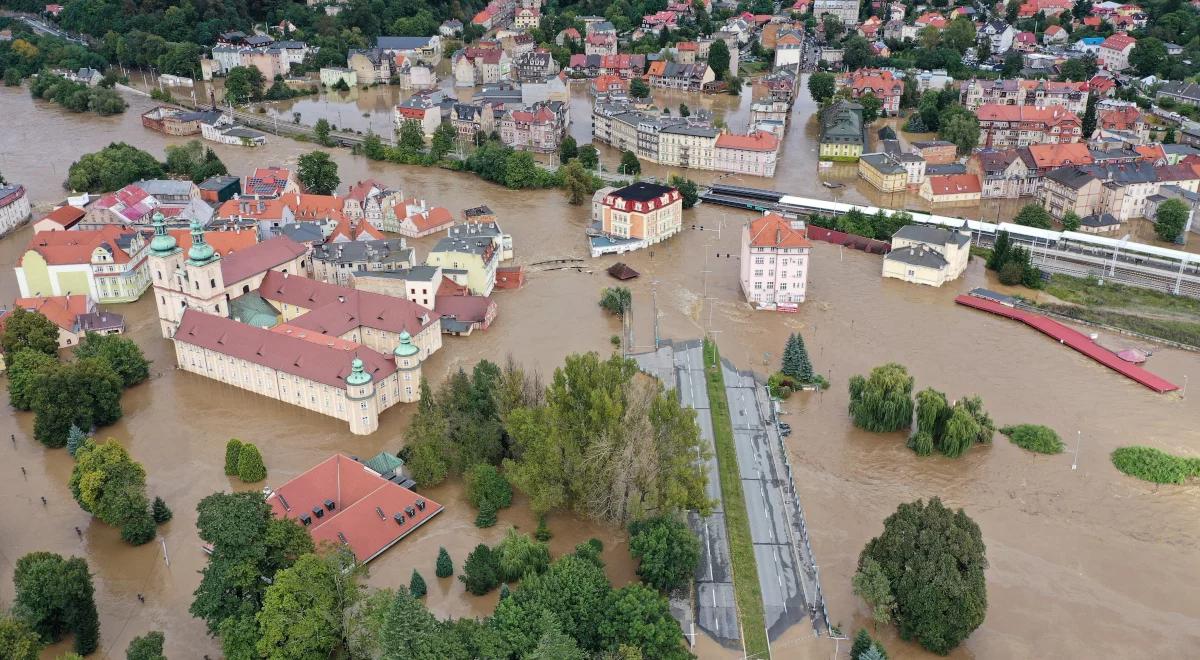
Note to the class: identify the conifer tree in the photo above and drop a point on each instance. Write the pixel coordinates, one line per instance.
(416, 585)
(806, 368)
(445, 567)
(160, 511)
(791, 358)
(75, 439)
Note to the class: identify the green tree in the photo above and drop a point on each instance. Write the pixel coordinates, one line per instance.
(250, 464)
(488, 491)
(667, 552)
(321, 132)
(1012, 65)
(688, 190)
(1033, 215)
(1148, 57)
(871, 584)
(12, 77)
(589, 157)
(718, 59)
(410, 631)
(518, 555)
(960, 34)
(1170, 220)
(160, 511)
(55, 597)
(684, 111)
(871, 106)
(233, 451)
(112, 168)
(243, 84)
(146, 647)
(416, 585)
(248, 543)
(857, 52)
(18, 641)
(444, 139)
(882, 402)
(26, 367)
(832, 26)
(300, 615)
(1000, 248)
(554, 644)
(139, 528)
(411, 137)
(119, 353)
(26, 330)
(1070, 221)
(372, 147)
(934, 561)
(616, 300)
(638, 88)
(194, 160)
(318, 173)
(862, 643)
(821, 85)
(577, 181)
(1089, 116)
(522, 171)
(481, 571)
(568, 150)
(638, 617)
(734, 87)
(961, 127)
(445, 567)
(111, 486)
(85, 393)
(75, 439)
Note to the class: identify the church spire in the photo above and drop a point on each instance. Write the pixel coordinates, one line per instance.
(201, 252)
(163, 243)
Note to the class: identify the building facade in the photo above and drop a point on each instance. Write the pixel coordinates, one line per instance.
(636, 216)
(14, 207)
(842, 136)
(1003, 126)
(923, 254)
(774, 263)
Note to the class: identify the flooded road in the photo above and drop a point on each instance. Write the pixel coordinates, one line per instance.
(1082, 563)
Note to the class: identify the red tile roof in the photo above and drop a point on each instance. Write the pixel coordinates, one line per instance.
(65, 216)
(1047, 156)
(1049, 116)
(61, 310)
(756, 141)
(259, 258)
(319, 362)
(365, 505)
(773, 231)
(76, 247)
(954, 184)
(336, 310)
(224, 242)
(436, 217)
(1118, 42)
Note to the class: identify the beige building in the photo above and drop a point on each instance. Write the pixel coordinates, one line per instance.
(923, 254)
(883, 171)
(634, 217)
(328, 349)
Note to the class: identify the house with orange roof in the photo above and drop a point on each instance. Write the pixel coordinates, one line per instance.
(63, 218)
(108, 264)
(882, 84)
(1114, 52)
(1124, 123)
(1055, 34)
(931, 19)
(754, 153)
(774, 262)
(951, 189)
(75, 316)
(612, 83)
(270, 182)
(1020, 126)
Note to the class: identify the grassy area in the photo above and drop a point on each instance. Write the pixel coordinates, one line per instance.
(1178, 330)
(737, 525)
(1034, 437)
(1090, 293)
(1155, 466)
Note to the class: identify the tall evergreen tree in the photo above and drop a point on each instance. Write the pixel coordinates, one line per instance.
(806, 368)
(445, 567)
(416, 585)
(75, 439)
(791, 358)
(233, 450)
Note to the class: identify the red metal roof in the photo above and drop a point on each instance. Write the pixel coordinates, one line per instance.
(365, 505)
(1073, 338)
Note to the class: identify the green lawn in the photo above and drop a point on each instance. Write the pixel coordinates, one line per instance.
(1089, 293)
(737, 526)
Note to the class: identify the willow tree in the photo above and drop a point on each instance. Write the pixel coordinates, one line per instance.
(932, 412)
(882, 402)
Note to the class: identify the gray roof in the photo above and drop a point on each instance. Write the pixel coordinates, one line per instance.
(1099, 220)
(1190, 91)
(884, 163)
(473, 244)
(918, 255)
(945, 168)
(401, 43)
(219, 182)
(372, 252)
(842, 122)
(302, 232)
(931, 235)
(464, 230)
(239, 131)
(166, 187)
(685, 129)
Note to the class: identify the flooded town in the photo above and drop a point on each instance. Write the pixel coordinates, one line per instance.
(1084, 557)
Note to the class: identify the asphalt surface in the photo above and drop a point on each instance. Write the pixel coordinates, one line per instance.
(681, 367)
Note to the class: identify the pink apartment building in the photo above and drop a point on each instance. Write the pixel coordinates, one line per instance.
(774, 271)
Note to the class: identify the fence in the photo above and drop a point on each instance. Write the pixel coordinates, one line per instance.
(849, 240)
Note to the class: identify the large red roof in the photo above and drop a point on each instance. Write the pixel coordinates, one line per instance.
(61, 310)
(259, 258)
(773, 231)
(756, 141)
(336, 310)
(954, 184)
(76, 247)
(65, 216)
(365, 506)
(325, 363)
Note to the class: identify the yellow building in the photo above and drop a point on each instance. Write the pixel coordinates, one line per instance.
(842, 132)
(108, 264)
(883, 171)
(469, 255)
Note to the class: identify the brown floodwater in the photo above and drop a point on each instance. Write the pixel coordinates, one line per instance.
(1086, 562)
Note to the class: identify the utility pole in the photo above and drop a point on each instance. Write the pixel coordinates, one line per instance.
(1078, 441)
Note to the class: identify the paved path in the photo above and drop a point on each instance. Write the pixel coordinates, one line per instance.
(681, 367)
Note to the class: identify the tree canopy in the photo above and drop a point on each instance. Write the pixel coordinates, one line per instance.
(121, 354)
(55, 597)
(112, 168)
(318, 173)
(27, 330)
(1170, 220)
(666, 550)
(882, 402)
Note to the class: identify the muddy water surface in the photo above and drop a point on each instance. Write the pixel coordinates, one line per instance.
(1084, 562)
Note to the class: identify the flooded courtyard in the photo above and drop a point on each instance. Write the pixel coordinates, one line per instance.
(1085, 562)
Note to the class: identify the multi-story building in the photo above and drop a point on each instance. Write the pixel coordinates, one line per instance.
(527, 18)
(636, 216)
(480, 66)
(1114, 52)
(1072, 96)
(842, 132)
(469, 255)
(882, 84)
(1180, 92)
(75, 316)
(424, 110)
(471, 119)
(951, 189)
(533, 66)
(999, 35)
(883, 171)
(539, 128)
(336, 263)
(1021, 125)
(1003, 174)
(1124, 124)
(14, 207)
(922, 254)
(370, 67)
(753, 154)
(332, 76)
(774, 263)
(426, 50)
(1120, 189)
(107, 264)
(845, 10)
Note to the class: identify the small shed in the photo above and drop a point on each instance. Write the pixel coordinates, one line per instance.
(622, 272)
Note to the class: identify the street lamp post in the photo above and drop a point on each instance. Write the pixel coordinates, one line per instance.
(1078, 441)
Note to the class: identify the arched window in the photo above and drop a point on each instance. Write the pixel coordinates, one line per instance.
(246, 288)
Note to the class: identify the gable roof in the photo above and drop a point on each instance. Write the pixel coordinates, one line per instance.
(773, 231)
(336, 310)
(62, 311)
(259, 258)
(65, 216)
(954, 184)
(60, 248)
